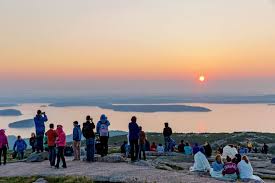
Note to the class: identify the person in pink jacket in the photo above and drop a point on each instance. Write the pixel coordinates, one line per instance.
(60, 143)
(4, 146)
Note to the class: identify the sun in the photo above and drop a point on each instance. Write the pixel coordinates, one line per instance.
(201, 78)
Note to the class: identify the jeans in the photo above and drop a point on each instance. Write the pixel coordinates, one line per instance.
(20, 155)
(52, 155)
(39, 141)
(167, 144)
(60, 155)
(134, 149)
(142, 150)
(33, 148)
(90, 149)
(76, 148)
(104, 144)
(3, 152)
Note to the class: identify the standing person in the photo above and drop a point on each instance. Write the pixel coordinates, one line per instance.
(39, 121)
(265, 149)
(20, 146)
(142, 143)
(167, 132)
(4, 146)
(32, 142)
(60, 143)
(102, 128)
(88, 133)
(52, 135)
(134, 137)
(77, 135)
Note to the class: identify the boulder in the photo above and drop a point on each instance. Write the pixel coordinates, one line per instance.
(112, 158)
(38, 157)
(40, 180)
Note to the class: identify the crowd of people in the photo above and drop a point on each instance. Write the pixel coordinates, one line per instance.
(231, 161)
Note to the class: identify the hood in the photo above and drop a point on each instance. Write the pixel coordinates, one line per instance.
(59, 129)
(2, 132)
(103, 118)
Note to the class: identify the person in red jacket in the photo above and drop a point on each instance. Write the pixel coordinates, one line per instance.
(52, 135)
(60, 143)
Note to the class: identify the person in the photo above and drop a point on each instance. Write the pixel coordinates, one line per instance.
(188, 149)
(77, 135)
(208, 150)
(217, 167)
(167, 133)
(160, 149)
(230, 151)
(220, 149)
(142, 143)
(45, 140)
(181, 146)
(230, 171)
(123, 148)
(102, 128)
(153, 147)
(249, 146)
(246, 171)
(237, 159)
(32, 142)
(52, 135)
(4, 146)
(265, 148)
(196, 148)
(201, 163)
(19, 147)
(60, 143)
(88, 133)
(134, 137)
(147, 145)
(39, 121)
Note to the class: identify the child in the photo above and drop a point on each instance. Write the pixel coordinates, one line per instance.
(32, 142)
(160, 148)
(61, 143)
(4, 146)
(142, 141)
(77, 140)
(20, 146)
(52, 135)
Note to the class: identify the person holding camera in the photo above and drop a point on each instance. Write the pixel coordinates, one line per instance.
(39, 121)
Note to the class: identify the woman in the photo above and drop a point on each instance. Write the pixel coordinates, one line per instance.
(217, 167)
(201, 163)
(230, 172)
(153, 147)
(188, 149)
(60, 143)
(4, 146)
(246, 171)
(32, 142)
(208, 149)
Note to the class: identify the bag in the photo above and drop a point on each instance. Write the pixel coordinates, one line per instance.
(103, 131)
(85, 130)
(14, 155)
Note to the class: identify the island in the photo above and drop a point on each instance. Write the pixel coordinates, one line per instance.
(27, 123)
(10, 112)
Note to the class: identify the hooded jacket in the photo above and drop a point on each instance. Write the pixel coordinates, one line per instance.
(20, 146)
(133, 131)
(3, 138)
(102, 126)
(39, 121)
(77, 134)
(61, 137)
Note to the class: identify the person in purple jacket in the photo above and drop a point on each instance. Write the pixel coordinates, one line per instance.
(134, 132)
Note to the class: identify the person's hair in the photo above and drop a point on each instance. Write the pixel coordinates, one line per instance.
(187, 144)
(166, 124)
(18, 137)
(51, 125)
(88, 117)
(39, 112)
(75, 122)
(134, 119)
(245, 158)
(33, 135)
(125, 142)
(140, 127)
(228, 159)
(182, 141)
(218, 158)
(160, 144)
(154, 143)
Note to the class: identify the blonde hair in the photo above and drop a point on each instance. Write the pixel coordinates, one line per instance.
(219, 158)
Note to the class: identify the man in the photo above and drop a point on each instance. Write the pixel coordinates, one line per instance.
(52, 135)
(134, 137)
(102, 128)
(167, 132)
(88, 133)
(265, 149)
(20, 146)
(39, 121)
(76, 140)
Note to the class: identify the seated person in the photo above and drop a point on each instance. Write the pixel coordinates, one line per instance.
(237, 159)
(201, 163)
(196, 148)
(217, 167)
(160, 148)
(208, 149)
(230, 151)
(246, 171)
(153, 147)
(188, 149)
(123, 148)
(181, 147)
(230, 171)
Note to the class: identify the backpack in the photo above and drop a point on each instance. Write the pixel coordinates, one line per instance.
(103, 130)
(85, 130)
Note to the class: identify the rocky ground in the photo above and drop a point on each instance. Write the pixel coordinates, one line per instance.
(114, 168)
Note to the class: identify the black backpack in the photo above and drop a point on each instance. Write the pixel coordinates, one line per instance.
(85, 129)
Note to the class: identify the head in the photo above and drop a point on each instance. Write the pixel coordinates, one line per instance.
(88, 118)
(206, 143)
(154, 143)
(245, 158)
(33, 135)
(134, 119)
(2, 132)
(39, 112)
(140, 128)
(103, 118)
(51, 126)
(75, 123)
(59, 129)
(19, 137)
(166, 125)
(182, 141)
(160, 145)
(228, 159)
(125, 142)
(219, 158)
(187, 144)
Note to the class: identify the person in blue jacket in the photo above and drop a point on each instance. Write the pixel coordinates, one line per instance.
(19, 147)
(77, 135)
(39, 121)
(134, 132)
(102, 128)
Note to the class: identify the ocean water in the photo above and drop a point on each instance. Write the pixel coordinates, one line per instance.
(223, 118)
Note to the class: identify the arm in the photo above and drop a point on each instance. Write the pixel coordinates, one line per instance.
(14, 146)
(25, 145)
(97, 127)
(45, 118)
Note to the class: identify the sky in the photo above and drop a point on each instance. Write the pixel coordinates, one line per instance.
(68, 47)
